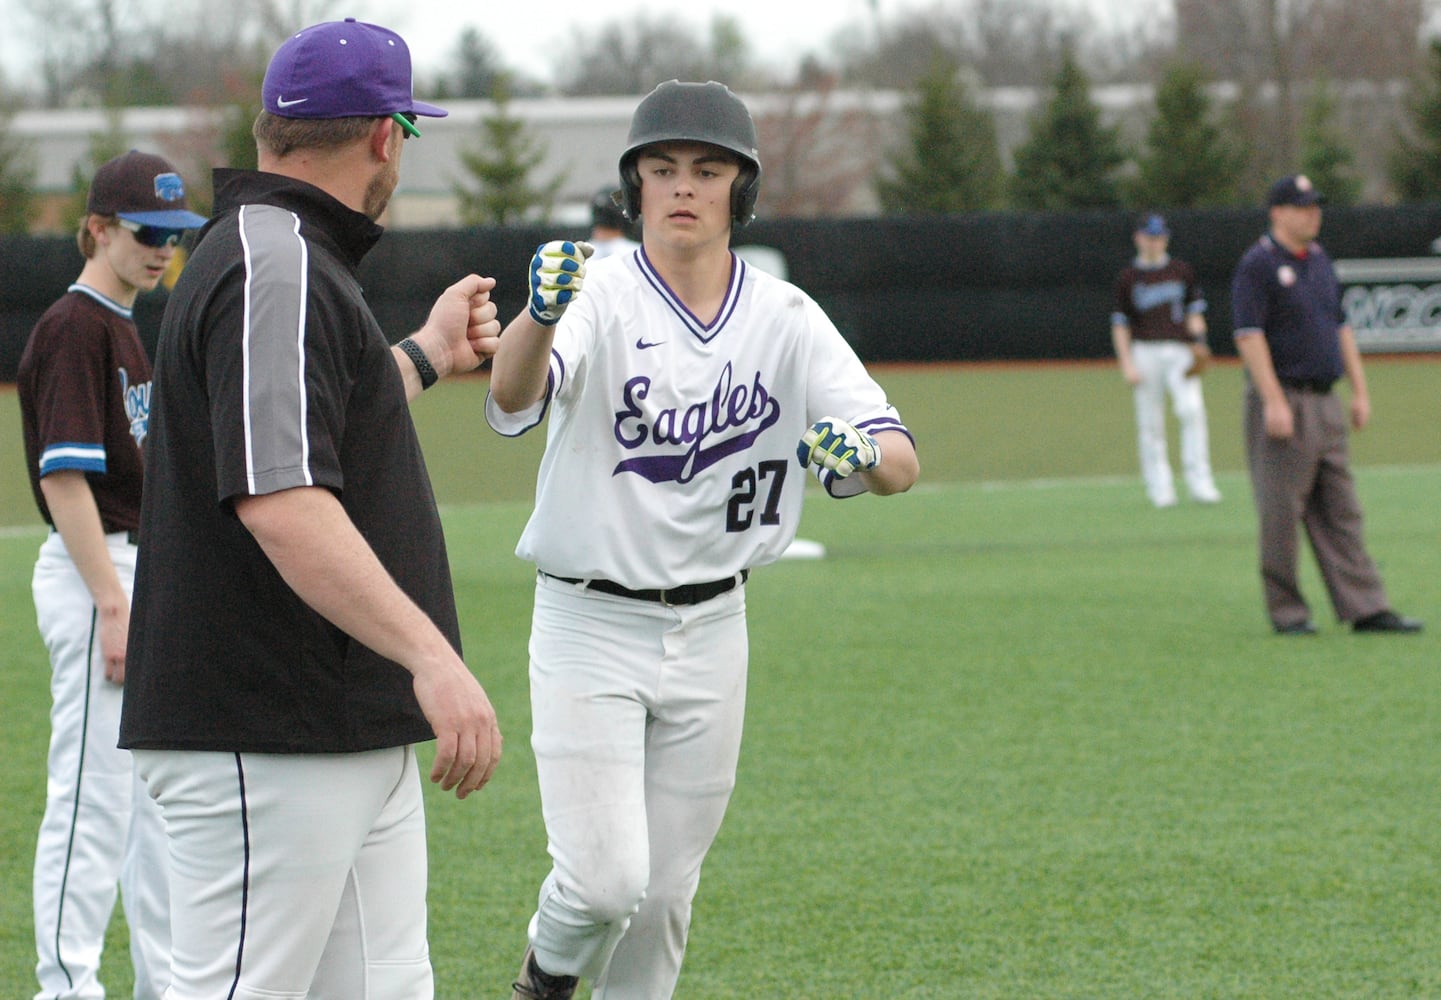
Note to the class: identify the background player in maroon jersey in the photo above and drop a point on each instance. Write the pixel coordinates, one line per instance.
(84, 384)
(1159, 332)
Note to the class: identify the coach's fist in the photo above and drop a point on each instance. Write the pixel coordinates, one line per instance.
(557, 272)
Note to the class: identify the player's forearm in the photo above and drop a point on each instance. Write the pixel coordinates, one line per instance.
(899, 468)
(521, 364)
(321, 555)
(77, 519)
(1121, 343)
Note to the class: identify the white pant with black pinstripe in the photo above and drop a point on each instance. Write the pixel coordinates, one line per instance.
(294, 875)
(100, 830)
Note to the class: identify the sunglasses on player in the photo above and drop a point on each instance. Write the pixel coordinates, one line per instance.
(151, 236)
(406, 121)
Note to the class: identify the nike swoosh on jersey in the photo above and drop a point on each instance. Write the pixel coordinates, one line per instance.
(642, 344)
(281, 102)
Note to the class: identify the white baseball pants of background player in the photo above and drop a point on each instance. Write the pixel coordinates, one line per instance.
(1162, 366)
(294, 875)
(100, 829)
(637, 715)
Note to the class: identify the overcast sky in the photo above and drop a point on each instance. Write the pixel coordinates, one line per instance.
(807, 25)
(531, 34)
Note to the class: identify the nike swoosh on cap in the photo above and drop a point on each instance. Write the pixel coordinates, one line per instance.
(281, 102)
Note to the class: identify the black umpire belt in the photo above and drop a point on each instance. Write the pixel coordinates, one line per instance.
(1320, 386)
(690, 593)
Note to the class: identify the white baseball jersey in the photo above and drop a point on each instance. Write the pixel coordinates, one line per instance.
(671, 450)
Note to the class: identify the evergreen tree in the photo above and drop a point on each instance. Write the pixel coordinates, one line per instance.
(237, 136)
(1070, 159)
(501, 167)
(477, 67)
(1416, 161)
(1188, 162)
(1325, 156)
(17, 178)
(950, 162)
(104, 147)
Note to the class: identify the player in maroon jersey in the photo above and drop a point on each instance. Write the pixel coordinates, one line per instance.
(84, 385)
(1158, 329)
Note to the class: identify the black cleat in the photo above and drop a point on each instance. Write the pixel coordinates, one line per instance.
(1386, 621)
(535, 984)
(1296, 628)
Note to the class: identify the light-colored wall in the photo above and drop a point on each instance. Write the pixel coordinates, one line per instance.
(582, 138)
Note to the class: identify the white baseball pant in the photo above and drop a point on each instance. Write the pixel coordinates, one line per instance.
(99, 829)
(637, 711)
(294, 875)
(1162, 366)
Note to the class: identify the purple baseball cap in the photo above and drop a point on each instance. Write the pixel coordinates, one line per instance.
(143, 188)
(342, 69)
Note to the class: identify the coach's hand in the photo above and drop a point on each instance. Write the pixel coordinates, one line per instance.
(832, 443)
(557, 272)
(467, 737)
(464, 324)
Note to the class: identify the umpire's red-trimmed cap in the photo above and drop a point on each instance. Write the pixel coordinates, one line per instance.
(342, 69)
(143, 188)
(1296, 190)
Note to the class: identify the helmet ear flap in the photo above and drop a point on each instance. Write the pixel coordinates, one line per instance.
(629, 189)
(745, 189)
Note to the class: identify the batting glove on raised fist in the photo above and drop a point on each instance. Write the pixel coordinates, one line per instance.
(831, 443)
(556, 273)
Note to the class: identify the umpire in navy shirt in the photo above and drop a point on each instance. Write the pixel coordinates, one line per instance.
(1293, 338)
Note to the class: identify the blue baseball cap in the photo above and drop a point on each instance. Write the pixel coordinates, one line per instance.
(143, 188)
(342, 69)
(1152, 225)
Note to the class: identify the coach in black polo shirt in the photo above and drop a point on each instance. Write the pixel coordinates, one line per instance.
(1292, 335)
(294, 631)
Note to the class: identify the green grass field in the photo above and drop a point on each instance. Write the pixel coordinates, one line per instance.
(1057, 755)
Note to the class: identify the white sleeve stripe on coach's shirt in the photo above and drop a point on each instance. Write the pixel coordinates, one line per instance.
(277, 447)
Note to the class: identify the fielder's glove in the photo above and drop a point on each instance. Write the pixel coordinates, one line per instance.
(556, 273)
(831, 443)
(1200, 359)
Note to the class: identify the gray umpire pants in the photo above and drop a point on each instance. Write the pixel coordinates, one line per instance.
(1306, 480)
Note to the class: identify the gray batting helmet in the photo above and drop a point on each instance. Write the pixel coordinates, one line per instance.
(694, 112)
(605, 211)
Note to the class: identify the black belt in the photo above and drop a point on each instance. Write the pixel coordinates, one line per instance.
(133, 537)
(690, 593)
(1320, 386)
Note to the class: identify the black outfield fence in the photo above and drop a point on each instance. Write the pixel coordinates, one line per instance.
(986, 286)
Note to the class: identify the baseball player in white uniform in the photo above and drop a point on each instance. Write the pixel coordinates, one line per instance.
(84, 387)
(681, 386)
